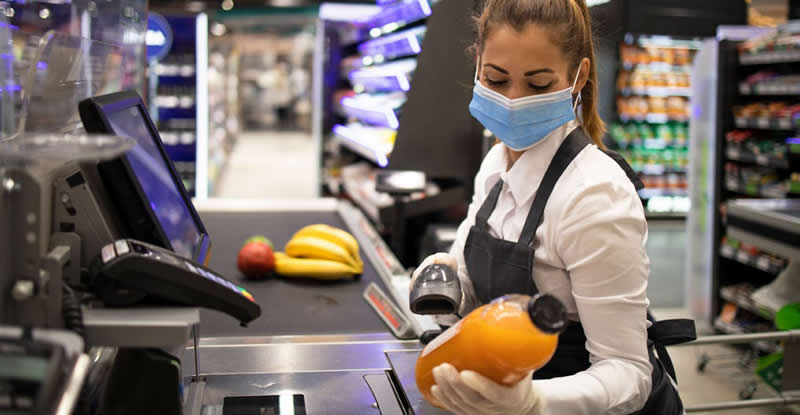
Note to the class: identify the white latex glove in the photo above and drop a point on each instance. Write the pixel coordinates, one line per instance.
(468, 393)
(440, 258)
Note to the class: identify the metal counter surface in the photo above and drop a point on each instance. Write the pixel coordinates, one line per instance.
(404, 364)
(289, 306)
(335, 393)
(328, 369)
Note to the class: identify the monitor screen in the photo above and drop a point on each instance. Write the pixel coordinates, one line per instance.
(159, 185)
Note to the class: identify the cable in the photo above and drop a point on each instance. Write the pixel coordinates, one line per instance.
(71, 309)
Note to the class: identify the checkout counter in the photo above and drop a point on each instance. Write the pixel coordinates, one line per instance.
(110, 228)
(318, 340)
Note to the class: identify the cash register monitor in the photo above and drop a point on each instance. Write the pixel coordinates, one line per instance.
(159, 211)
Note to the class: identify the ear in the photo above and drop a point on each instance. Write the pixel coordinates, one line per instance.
(583, 77)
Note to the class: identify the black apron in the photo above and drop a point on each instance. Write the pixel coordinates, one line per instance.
(498, 267)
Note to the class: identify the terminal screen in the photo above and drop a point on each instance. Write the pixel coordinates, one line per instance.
(158, 184)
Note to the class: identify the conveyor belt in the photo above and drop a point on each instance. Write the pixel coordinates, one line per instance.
(289, 307)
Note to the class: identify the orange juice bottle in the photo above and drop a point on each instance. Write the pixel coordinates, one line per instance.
(503, 340)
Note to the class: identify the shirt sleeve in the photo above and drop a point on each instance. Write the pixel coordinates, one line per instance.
(601, 240)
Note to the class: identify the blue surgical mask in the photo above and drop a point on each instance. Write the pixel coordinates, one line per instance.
(521, 123)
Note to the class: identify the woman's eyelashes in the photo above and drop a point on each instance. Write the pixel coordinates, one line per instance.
(535, 87)
(495, 83)
(540, 88)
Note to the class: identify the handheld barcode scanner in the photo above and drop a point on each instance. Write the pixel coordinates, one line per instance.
(436, 291)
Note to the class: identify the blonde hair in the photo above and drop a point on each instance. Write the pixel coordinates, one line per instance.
(571, 30)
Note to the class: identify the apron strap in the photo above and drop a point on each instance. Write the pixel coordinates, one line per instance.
(482, 217)
(667, 333)
(569, 149)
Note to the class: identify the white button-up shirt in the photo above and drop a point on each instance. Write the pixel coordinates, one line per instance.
(590, 254)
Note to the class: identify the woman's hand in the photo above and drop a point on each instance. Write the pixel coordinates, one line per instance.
(468, 393)
(440, 258)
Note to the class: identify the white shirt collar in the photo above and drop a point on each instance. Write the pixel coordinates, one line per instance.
(526, 174)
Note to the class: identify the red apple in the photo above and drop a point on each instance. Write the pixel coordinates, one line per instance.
(256, 260)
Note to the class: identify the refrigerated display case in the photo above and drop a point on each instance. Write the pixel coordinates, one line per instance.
(747, 149)
(651, 131)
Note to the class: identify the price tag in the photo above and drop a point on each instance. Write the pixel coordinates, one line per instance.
(733, 153)
(763, 122)
(743, 257)
(785, 124)
(741, 122)
(762, 160)
(762, 263)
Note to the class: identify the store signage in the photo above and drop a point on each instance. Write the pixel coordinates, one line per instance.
(159, 36)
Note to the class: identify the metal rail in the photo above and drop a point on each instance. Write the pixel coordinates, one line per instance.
(791, 374)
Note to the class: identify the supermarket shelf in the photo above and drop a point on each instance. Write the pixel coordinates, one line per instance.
(727, 328)
(650, 193)
(659, 169)
(396, 16)
(371, 114)
(660, 144)
(665, 215)
(769, 90)
(654, 118)
(661, 67)
(405, 43)
(760, 58)
(765, 123)
(761, 262)
(760, 159)
(367, 142)
(740, 296)
(658, 91)
(395, 76)
(736, 187)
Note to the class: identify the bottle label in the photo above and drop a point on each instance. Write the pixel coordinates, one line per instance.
(441, 339)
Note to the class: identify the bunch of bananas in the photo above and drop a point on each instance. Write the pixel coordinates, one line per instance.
(321, 252)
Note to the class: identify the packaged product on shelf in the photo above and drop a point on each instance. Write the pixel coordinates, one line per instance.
(646, 131)
(681, 133)
(639, 82)
(657, 105)
(677, 107)
(619, 135)
(623, 80)
(665, 133)
(794, 183)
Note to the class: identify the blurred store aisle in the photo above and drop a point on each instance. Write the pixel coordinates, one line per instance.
(272, 165)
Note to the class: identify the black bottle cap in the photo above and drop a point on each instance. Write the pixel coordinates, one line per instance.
(548, 314)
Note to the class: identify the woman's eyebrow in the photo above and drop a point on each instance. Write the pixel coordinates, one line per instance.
(537, 71)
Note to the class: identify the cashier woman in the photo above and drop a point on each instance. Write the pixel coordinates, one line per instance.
(550, 189)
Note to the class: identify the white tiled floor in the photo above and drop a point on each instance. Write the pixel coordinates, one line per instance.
(274, 165)
(282, 166)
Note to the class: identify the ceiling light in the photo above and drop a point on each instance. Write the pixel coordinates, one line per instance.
(218, 29)
(227, 5)
(195, 6)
